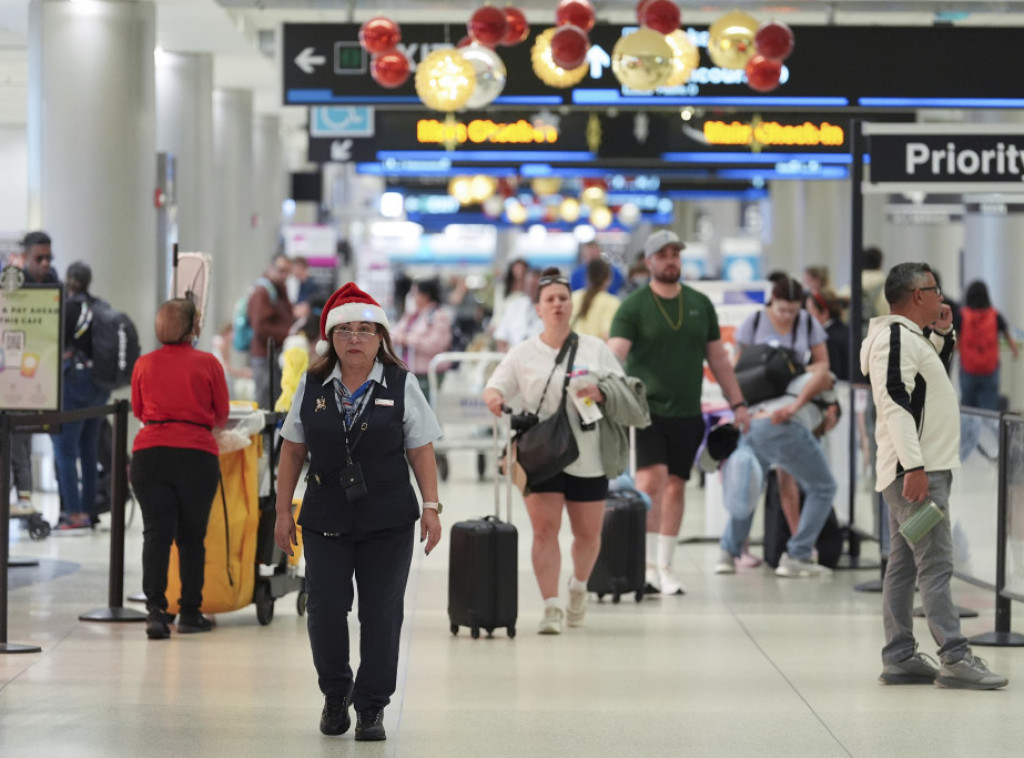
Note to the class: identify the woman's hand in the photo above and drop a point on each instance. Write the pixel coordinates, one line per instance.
(591, 391)
(430, 529)
(284, 532)
(785, 413)
(494, 400)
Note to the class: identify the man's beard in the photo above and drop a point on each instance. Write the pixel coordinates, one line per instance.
(667, 276)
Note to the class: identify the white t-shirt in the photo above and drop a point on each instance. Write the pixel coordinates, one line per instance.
(519, 322)
(520, 378)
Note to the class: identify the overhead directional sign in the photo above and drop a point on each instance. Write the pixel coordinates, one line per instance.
(831, 67)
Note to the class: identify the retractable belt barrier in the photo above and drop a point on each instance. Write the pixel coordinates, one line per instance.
(10, 422)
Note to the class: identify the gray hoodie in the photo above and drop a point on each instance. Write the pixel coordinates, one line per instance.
(918, 411)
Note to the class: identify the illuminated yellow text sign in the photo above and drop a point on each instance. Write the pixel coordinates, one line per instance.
(773, 133)
(481, 131)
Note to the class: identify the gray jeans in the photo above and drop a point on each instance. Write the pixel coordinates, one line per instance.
(929, 565)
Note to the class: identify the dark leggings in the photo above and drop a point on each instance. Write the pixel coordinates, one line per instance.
(175, 488)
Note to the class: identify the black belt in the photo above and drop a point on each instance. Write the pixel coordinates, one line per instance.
(181, 421)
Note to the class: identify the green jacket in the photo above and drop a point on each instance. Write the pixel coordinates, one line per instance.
(625, 405)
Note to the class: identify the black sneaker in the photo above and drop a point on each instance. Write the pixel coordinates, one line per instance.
(334, 718)
(370, 725)
(191, 623)
(156, 625)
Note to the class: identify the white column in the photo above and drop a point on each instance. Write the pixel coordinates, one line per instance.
(235, 262)
(92, 162)
(270, 184)
(184, 128)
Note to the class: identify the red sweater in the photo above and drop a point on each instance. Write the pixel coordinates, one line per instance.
(179, 383)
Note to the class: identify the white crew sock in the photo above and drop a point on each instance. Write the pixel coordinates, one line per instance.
(551, 602)
(652, 549)
(666, 547)
(576, 584)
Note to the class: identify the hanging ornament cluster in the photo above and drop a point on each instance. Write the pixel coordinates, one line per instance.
(388, 65)
(658, 54)
(737, 41)
(559, 54)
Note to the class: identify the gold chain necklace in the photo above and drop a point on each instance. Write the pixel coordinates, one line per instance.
(679, 301)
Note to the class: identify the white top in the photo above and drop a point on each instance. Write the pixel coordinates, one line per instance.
(519, 322)
(520, 378)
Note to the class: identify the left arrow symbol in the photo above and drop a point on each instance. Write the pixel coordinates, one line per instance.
(308, 60)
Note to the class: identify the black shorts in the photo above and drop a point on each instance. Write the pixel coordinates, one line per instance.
(577, 489)
(670, 441)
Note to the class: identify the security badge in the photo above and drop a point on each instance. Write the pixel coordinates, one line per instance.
(321, 405)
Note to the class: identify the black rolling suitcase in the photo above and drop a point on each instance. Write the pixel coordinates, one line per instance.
(483, 568)
(776, 530)
(620, 564)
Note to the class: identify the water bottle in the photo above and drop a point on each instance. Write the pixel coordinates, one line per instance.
(921, 522)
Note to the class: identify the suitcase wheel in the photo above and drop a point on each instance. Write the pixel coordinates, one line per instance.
(490, 632)
(474, 632)
(455, 629)
(300, 602)
(38, 527)
(511, 632)
(639, 596)
(264, 603)
(600, 597)
(616, 598)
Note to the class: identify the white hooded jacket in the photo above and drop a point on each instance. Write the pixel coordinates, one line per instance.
(918, 423)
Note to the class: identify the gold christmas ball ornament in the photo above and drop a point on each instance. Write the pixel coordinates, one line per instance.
(445, 80)
(642, 61)
(543, 186)
(600, 217)
(545, 67)
(569, 210)
(685, 58)
(594, 197)
(731, 40)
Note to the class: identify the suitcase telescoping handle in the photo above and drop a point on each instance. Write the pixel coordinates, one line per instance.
(509, 464)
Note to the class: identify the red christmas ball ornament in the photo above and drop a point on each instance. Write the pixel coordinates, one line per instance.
(518, 28)
(379, 35)
(774, 40)
(661, 15)
(390, 69)
(464, 42)
(763, 74)
(487, 25)
(640, 8)
(569, 46)
(579, 13)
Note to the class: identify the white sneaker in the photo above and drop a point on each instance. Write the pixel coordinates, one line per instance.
(726, 563)
(577, 608)
(651, 580)
(794, 567)
(552, 621)
(668, 583)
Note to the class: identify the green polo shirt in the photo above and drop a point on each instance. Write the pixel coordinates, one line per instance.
(668, 354)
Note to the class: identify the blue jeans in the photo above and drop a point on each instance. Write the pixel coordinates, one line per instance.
(792, 447)
(980, 390)
(77, 442)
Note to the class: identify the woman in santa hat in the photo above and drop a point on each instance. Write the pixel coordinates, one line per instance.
(362, 419)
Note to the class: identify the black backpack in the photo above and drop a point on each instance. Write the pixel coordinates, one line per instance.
(115, 345)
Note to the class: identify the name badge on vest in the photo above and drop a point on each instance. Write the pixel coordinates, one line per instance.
(384, 401)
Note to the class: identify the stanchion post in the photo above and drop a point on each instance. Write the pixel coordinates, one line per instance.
(5, 536)
(1002, 636)
(115, 610)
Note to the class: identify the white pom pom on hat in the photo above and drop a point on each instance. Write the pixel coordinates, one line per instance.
(348, 304)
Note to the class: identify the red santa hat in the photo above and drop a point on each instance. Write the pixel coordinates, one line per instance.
(348, 304)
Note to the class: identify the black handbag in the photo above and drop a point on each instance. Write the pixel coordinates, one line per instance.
(547, 447)
(764, 371)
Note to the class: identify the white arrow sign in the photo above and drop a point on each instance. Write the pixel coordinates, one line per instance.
(341, 151)
(308, 60)
(599, 59)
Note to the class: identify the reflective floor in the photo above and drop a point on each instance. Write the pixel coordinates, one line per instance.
(743, 665)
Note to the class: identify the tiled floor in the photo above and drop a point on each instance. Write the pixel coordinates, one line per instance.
(744, 665)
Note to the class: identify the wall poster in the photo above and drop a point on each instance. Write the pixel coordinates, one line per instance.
(30, 346)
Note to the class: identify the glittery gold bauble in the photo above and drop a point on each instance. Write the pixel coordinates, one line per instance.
(445, 80)
(685, 58)
(731, 40)
(642, 61)
(547, 70)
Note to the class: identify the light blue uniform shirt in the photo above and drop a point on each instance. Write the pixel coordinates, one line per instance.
(418, 422)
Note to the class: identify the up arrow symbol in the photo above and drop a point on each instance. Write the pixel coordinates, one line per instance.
(307, 60)
(599, 59)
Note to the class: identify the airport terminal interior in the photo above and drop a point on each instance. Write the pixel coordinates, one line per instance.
(747, 664)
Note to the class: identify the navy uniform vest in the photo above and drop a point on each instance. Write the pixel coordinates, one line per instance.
(390, 500)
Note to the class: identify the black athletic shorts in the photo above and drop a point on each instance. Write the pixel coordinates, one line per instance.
(576, 489)
(671, 441)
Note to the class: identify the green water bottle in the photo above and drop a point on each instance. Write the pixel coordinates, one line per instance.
(921, 522)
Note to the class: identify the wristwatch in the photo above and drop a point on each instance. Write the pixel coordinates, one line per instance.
(740, 404)
(439, 507)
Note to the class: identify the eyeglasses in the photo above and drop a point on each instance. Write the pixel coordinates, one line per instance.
(348, 334)
(936, 289)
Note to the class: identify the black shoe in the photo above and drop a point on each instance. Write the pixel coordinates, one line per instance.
(334, 718)
(370, 725)
(156, 625)
(191, 623)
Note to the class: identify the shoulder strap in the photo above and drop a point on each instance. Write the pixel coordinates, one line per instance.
(570, 343)
(757, 322)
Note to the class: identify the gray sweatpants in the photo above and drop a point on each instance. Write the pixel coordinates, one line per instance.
(929, 565)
